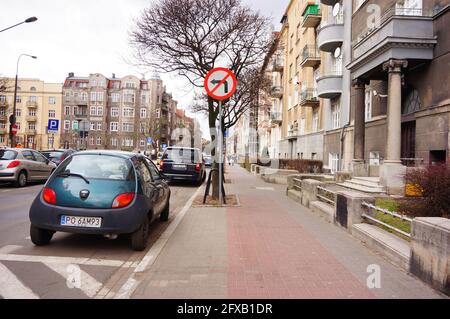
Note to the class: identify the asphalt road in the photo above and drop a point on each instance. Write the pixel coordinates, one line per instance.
(72, 266)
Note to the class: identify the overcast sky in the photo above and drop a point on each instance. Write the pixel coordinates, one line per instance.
(84, 36)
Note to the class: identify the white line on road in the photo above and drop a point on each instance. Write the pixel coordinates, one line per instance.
(9, 249)
(132, 283)
(66, 260)
(12, 288)
(88, 284)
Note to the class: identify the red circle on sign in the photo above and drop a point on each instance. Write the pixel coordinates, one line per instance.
(14, 129)
(211, 92)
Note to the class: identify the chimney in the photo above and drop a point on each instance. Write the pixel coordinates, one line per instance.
(71, 75)
(113, 75)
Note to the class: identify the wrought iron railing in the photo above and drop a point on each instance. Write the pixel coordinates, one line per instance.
(310, 52)
(309, 95)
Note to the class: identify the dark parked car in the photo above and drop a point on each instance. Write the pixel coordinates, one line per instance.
(183, 163)
(57, 156)
(101, 192)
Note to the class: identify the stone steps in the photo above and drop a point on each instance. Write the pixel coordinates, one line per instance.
(397, 250)
(364, 184)
(324, 210)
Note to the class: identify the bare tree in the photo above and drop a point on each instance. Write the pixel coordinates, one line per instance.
(191, 37)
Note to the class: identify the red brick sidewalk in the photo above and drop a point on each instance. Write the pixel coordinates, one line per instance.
(272, 256)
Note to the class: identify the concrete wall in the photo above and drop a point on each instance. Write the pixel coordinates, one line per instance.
(430, 258)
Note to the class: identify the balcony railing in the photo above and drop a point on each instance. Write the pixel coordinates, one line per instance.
(276, 117)
(32, 104)
(31, 118)
(310, 56)
(3, 130)
(30, 131)
(391, 12)
(311, 16)
(309, 96)
(278, 64)
(277, 91)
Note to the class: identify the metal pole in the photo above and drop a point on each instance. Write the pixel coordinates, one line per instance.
(220, 152)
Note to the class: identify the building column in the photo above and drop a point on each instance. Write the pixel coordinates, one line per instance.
(392, 172)
(359, 167)
(394, 112)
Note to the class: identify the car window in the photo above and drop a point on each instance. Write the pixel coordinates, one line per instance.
(51, 155)
(7, 155)
(153, 170)
(182, 154)
(144, 172)
(39, 157)
(27, 155)
(93, 166)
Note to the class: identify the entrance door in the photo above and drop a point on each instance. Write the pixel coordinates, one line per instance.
(408, 143)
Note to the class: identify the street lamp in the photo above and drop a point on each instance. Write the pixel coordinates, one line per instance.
(31, 19)
(12, 119)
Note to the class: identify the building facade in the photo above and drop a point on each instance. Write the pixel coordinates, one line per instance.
(116, 113)
(37, 102)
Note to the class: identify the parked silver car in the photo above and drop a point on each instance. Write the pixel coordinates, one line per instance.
(20, 165)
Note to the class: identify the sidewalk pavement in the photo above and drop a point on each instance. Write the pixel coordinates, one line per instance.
(269, 247)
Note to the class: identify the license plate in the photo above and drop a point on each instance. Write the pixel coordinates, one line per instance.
(76, 221)
(178, 166)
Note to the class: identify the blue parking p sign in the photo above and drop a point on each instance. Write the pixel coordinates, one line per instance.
(53, 126)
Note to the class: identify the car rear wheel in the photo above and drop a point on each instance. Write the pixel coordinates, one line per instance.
(165, 213)
(39, 236)
(21, 179)
(139, 237)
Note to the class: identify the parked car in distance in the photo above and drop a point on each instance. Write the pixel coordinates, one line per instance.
(20, 165)
(101, 192)
(208, 160)
(183, 163)
(57, 156)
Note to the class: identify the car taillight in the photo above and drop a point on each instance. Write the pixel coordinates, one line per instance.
(198, 167)
(123, 200)
(49, 196)
(13, 164)
(161, 164)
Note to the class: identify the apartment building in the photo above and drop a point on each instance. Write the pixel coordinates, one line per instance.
(115, 113)
(302, 123)
(403, 61)
(36, 102)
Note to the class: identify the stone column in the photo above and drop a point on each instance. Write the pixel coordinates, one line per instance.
(359, 129)
(392, 172)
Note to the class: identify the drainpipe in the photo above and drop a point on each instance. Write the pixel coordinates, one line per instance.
(341, 145)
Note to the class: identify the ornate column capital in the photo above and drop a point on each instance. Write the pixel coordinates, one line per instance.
(359, 83)
(395, 66)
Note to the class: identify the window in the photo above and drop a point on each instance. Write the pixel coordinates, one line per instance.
(128, 97)
(74, 125)
(93, 111)
(99, 110)
(93, 126)
(99, 126)
(114, 126)
(153, 170)
(127, 127)
(33, 89)
(31, 125)
(51, 100)
(114, 141)
(67, 110)
(75, 110)
(374, 158)
(143, 99)
(96, 96)
(333, 162)
(32, 99)
(91, 140)
(51, 114)
(130, 85)
(144, 172)
(18, 99)
(66, 125)
(18, 112)
(128, 112)
(39, 157)
(368, 105)
(143, 113)
(158, 113)
(84, 96)
(67, 96)
(115, 97)
(3, 98)
(142, 127)
(142, 143)
(31, 112)
(335, 115)
(99, 140)
(127, 142)
(114, 112)
(315, 121)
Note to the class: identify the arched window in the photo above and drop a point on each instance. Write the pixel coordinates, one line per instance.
(32, 89)
(412, 103)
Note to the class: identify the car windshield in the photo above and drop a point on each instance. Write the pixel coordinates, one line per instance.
(98, 167)
(56, 155)
(181, 154)
(7, 155)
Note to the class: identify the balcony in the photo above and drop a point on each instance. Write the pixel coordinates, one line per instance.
(403, 33)
(30, 131)
(309, 97)
(81, 102)
(32, 104)
(31, 118)
(310, 56)
(276, 92)
(311, 16)
(276, 118)
(292, 134)
(3, 104)
(81, 115)
(3, 130)
(331, 34)
(329, 2)
(329, 85)
(278, 64)
(3, 117)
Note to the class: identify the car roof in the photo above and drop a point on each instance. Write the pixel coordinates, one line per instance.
(182, 147)
(122, 154)
(18, 149)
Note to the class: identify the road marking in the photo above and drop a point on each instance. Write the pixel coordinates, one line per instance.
(265, 188)
(66, 260)
(9, 249)
(88, 285)
(132, 283)
(12, 287)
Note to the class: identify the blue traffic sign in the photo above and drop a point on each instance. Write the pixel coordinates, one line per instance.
(149, 140)
(164, 146)
(53, 126)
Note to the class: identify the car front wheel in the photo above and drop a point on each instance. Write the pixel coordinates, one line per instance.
(140, 236)
(39, 236)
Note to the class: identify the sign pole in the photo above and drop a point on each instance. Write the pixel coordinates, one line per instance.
(219, 140)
